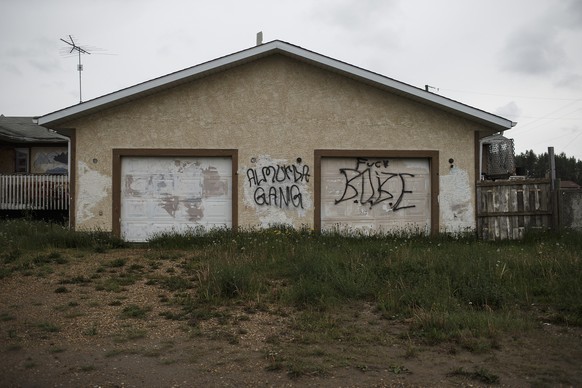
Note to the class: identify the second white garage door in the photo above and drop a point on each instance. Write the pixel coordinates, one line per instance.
(376, 194)
(174, 194)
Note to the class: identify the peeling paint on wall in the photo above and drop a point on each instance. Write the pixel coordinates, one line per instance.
(456, 202)
(93, 187)
(212, 184)
(277, 189)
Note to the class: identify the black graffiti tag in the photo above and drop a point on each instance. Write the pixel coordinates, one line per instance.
(277, 185)
(278, 174)
(279, 196)
(369, 186)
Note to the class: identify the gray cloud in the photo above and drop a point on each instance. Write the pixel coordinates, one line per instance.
(40, 54)
(353, 14)
(360, 23)
(539, 46)
(44, 65)
(572, 15)
(570, 80)
(10, 68)
(510, 110)
(533, 52)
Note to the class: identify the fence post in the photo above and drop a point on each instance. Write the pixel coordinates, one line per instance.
(554, 189)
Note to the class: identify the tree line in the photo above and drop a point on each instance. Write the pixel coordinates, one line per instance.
(538, 166)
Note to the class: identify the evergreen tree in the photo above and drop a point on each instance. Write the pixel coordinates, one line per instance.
(538, 166)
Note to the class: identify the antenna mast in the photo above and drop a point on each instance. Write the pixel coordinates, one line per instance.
(80, 51)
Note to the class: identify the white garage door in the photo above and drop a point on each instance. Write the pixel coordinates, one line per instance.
(174, 194)
(375, 194)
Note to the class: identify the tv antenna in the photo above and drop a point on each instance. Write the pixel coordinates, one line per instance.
(74, 47)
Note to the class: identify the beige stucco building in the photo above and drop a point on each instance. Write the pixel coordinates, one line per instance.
(275, 134)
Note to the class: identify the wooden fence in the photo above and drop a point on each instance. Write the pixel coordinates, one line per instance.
(505, 209)
(34, 192)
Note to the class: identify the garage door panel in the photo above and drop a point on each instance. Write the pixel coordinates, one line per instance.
(375, 193)
(174, 194)
(134, 208)
(136, 231)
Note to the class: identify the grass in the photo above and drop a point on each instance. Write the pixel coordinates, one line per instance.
(5, 317)
(453, 289)
(482, 375)
(48, 327)
(135, 311)
(116, 282)
(19, 236)
(90, 331)
(129, 334)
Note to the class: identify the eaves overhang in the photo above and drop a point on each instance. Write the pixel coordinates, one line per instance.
(156, 85)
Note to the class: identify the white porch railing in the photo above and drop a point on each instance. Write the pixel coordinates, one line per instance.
(34, 192)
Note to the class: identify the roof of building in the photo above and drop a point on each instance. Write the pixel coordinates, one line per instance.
(490, 120)
(569, 185)
(25, 130)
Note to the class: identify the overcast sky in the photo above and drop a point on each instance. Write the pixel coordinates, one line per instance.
(521, 59)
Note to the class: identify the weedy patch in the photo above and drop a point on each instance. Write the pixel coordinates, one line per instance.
(171, 283)
(224, 335)
(128, 334)
(87, 368)
(116, 283)
(5, 317)
(61, 290)
(56, 350)
(13, 347)
(298, 367)
(90, 331)
(135, 311)
(48, 327)
(481, 375)
(79, 279)
(116, 263)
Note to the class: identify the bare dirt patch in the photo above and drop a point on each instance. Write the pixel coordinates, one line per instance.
(113, 319)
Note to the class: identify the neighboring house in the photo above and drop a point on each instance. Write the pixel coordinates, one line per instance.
(274, 134)
(569, 185)
(33, 167)
(27, 148)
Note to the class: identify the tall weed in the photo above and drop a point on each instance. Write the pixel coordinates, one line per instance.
(24, 235)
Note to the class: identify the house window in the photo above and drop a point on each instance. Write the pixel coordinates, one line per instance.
(22, 160)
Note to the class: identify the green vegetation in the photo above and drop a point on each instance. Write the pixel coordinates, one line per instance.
(453, 289)
(537, 166)
(448, 289)
(19, 236)
(481, 375)
(135, 311)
